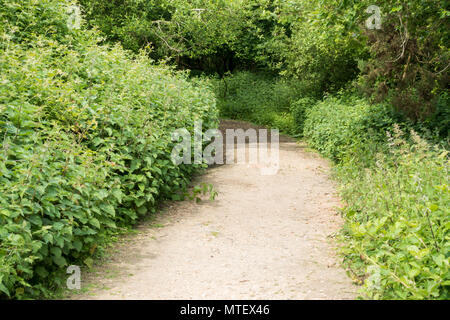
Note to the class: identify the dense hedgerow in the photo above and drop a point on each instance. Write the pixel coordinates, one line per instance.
(338, 125)
(85, 141)
(397, 231)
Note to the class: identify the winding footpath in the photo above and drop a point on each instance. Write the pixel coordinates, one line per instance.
(264, 237)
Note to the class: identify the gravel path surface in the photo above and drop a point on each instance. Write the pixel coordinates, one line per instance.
(264, 237)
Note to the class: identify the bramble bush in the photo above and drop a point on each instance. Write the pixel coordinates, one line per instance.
(396, 189)
(85, 142)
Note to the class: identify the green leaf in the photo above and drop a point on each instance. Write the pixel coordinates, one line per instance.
(56, 251)
(139, 202)
(77, 245)
(35, 219)
(108, 209)
(118, 195)
(89, 262)
(142, 210)
(95, 222)
(2, 286)
(101, 194)
(42, 272)
(60, 261)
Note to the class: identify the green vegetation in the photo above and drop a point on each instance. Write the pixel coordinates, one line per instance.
(397, 231)
(258, 98)
(340, 127)
(396, 189)
(86, 116)
(85, 142)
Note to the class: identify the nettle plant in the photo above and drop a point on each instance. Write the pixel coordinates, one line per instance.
(396, 189)
(85, 142)
(398, 226)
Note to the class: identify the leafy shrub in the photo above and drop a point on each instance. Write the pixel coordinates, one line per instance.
(339, 125)
(298, 110)
(86, 142)
(396, 236)
(439, 121)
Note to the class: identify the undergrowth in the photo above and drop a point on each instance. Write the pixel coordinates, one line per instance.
(259, 98)
(396, 188)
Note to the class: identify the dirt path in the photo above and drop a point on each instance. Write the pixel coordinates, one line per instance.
(264, 237)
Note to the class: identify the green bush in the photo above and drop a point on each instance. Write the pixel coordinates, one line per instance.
(342, 127)
(298, 110)
(396, 236)
(439, 121)
(85, 142)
